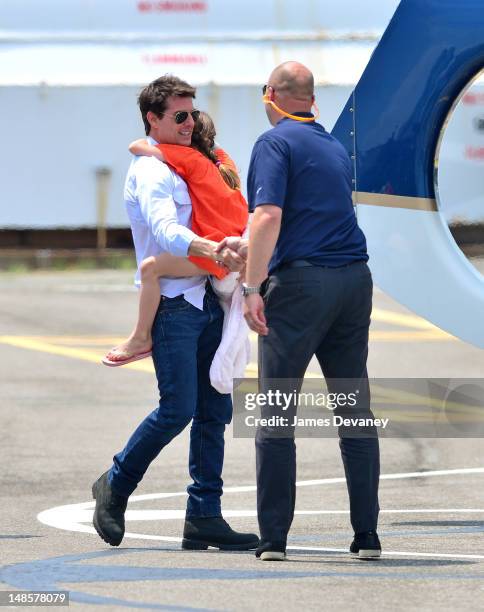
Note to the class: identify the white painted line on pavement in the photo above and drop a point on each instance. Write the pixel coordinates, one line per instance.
(73, 517)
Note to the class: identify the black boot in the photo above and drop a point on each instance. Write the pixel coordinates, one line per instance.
(200, 533)
(366, 545)
(271, 551)
(108, 516)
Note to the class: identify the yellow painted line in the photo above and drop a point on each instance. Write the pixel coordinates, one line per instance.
(410, 336)
(34, 344)
(421, 329)
(389, 396)
(107, 342)
(404, 320)
(81, 340)
(144, 365)
(45, 347)
(382, 396)
(64, 346)
(252, 371)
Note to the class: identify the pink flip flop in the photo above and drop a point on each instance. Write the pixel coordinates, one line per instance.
(120, 362)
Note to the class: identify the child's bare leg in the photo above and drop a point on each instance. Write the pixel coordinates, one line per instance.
(151, 270)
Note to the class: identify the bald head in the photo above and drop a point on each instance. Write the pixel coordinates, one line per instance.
(293, 80)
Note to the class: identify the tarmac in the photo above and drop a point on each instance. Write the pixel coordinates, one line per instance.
(63, 415)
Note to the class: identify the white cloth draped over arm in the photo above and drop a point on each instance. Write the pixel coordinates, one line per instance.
(233, 353)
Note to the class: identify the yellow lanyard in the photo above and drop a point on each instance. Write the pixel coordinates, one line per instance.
(266, 100)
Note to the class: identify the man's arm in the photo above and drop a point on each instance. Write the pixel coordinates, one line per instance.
(266, 187)
(155, 196)
(264, 232)
(201, 247)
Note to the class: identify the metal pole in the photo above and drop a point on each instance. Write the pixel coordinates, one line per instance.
(103, 176)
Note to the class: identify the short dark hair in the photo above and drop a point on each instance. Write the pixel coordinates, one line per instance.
(153, 97)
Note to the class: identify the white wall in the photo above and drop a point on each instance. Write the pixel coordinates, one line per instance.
(58, 134)
(55, 137)
(195, 16)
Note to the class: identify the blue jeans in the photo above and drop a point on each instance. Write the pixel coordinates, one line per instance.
(184, 342)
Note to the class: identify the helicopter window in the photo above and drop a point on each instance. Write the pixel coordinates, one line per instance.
(460, 171)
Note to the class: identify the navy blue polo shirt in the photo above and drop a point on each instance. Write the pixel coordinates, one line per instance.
(301, 168)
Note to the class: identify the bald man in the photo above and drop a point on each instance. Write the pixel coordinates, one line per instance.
(308, 292)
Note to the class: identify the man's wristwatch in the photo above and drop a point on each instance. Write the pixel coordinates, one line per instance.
(246, 290)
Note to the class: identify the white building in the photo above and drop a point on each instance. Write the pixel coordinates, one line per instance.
(72, 69)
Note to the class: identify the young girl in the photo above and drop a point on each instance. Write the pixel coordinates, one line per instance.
(218, 210)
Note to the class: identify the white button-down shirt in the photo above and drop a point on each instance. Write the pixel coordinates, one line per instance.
(160, 213)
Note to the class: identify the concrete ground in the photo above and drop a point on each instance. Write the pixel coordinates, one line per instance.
(63, 416)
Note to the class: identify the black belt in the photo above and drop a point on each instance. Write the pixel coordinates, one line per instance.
(297, 263)
(305, 263)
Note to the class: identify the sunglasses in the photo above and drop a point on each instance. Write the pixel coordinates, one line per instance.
(264, 89)
(181, 116)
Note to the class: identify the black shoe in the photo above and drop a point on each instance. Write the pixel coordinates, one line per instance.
(271, 551)
(200, 533)
(108, 519)
(366, 545)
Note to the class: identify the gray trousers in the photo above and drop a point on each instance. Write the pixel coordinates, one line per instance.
(324, 312)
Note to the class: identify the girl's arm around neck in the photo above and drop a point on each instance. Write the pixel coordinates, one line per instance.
(142, 147)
